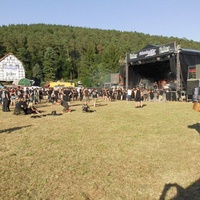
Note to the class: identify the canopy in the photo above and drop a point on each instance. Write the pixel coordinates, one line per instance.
(23, 82)
(61, 84)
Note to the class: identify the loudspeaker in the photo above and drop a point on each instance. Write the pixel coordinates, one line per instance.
(114, 78)
(198, 71)
(191, 84)
(194, 72)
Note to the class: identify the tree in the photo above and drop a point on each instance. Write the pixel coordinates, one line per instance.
(24, 56)
(111, 57)
(86, 71)
(37, 74)
(50, 65)
(2, 50)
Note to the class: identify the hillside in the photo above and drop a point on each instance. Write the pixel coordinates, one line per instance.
(53, 52)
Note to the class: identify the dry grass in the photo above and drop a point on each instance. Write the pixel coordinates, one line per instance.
(116, 153)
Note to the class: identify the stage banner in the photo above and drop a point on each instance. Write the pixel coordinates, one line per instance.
(151, 52)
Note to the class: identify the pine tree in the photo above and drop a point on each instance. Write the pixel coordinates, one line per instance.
(50, 65)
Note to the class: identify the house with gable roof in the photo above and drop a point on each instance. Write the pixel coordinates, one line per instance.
(11, 68)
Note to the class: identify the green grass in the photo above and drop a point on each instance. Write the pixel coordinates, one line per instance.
(118, 152)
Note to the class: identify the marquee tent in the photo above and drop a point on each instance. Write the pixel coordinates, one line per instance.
(159, 62)
(22, 82)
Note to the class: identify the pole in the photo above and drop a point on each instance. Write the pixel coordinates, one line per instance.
(127, 79)
(178, 68)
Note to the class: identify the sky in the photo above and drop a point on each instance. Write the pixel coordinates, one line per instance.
(176, 18)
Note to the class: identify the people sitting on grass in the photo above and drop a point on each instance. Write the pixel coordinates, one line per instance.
(20, 107)
(86, 108)
(23, 108)
(32, 109)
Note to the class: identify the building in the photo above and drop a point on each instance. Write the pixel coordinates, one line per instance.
(11, 68)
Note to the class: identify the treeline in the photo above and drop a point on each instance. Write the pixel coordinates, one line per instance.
(55, 52)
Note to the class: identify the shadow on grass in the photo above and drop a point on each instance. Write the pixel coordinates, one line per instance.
(77, 104)
(13, 129)
(90, 104)
(192, 192)
(43, 105)
(196, 127)
(99, 105)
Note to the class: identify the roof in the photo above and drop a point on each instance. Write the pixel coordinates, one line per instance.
(6, 56)
(191, 51)
(150, 46)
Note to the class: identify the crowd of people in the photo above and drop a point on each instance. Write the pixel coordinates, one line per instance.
(32, 96)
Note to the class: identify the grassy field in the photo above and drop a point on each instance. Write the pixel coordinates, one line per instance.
(118, 152)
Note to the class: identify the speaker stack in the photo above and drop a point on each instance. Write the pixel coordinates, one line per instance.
(194, 81)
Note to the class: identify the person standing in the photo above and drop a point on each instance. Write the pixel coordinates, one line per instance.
(66, 94)
(86, 95)
(80, 94)
(129, 94)
(94, 96)
(56, 95)
(145, 94)
(138, 98)
(40, 95)
(5, 100)
(12, 97)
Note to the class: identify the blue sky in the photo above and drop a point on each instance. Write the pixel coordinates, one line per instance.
(177, 18)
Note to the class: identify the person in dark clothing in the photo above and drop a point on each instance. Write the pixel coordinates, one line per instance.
(31, 109)
(20, 107)
(85, 107)
(56, 95)
(81, 94)
(65, 106)
(66, 94)
(151, 95)
(40, 95)
(138, 97)
(49, 93)
(5, 100)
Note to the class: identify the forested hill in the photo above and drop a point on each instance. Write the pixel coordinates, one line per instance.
(54, 52)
